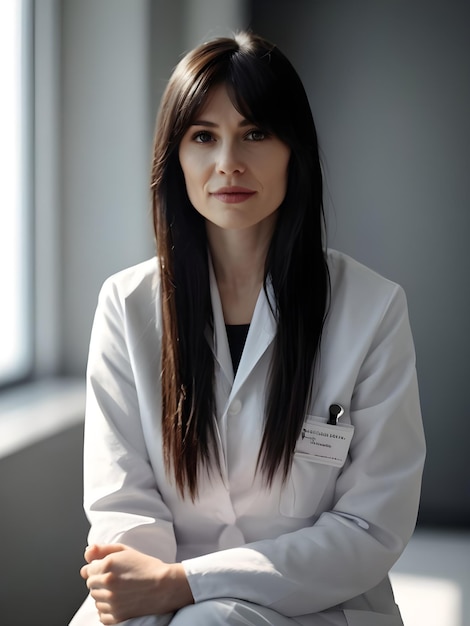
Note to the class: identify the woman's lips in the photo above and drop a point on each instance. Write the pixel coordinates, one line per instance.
(233, 195)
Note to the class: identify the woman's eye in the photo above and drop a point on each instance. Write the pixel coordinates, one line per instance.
(256, 135)
(202, 137)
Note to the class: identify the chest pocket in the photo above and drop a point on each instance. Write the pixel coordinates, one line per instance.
(310, 485)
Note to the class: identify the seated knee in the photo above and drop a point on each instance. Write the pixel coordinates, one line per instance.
(207, 613)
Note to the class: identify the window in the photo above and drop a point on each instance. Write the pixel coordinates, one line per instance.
(15, 190)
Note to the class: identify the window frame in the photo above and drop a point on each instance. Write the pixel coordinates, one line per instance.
(23, 370)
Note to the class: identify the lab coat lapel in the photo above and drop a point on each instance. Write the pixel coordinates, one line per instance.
(261, 333)
(219, 341)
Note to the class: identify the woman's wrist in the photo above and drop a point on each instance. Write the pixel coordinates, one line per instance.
(179, 591)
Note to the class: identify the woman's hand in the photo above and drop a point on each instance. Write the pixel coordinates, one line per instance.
(125, 583)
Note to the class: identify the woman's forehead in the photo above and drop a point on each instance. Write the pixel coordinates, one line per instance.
(217, 100)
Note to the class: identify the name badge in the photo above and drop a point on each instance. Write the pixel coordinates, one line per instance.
(324, 443)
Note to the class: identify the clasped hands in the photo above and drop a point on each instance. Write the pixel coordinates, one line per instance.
(125, 583)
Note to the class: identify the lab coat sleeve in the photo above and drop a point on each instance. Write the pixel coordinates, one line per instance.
(121, 498)
(350, 548)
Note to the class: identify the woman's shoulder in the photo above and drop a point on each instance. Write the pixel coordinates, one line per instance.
(346, 272)
(139, 282)
(360, 290)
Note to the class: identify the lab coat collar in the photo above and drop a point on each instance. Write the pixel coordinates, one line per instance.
(261, 333)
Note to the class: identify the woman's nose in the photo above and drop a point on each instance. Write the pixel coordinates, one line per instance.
(229, 159)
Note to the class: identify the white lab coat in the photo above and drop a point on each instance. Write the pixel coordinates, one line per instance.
(327, 539)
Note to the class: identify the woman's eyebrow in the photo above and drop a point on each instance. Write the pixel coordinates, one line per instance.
(208, 124)
(203, 123)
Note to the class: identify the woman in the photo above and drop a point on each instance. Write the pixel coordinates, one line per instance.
(254, 446)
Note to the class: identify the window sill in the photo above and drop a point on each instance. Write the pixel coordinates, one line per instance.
(36, 411)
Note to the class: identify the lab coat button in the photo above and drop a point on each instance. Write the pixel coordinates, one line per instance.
(235, 407)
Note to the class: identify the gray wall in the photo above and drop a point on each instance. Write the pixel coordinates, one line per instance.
(106, 134)
(44, 532)
(389, 85)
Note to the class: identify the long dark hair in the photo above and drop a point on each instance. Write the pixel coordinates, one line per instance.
(265, 89)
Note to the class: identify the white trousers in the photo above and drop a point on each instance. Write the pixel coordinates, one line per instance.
(220, 612)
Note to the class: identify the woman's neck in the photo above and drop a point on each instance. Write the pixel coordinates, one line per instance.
(238, 258)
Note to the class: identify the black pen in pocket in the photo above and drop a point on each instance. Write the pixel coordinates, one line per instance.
(336, 411)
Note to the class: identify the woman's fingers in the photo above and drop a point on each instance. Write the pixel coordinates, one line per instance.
(94, 556)
(96, 552)
(105, 613)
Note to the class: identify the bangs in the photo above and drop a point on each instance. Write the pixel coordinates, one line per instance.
(254, 85)
(262, 89)
(254, 92)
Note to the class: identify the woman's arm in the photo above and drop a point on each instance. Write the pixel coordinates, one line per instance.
(131, 570)
(121, 497)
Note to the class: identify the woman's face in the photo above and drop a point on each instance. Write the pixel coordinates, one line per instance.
(235, 174)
